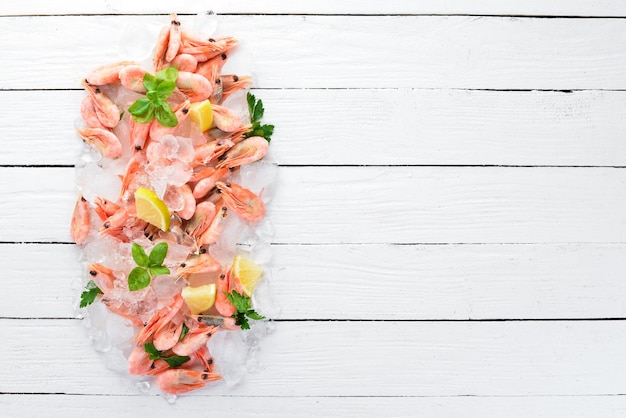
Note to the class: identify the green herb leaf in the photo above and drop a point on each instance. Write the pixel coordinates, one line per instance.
(258, 110)
(159, 270)
(251, 100)
(158, 253)
(252, 314)
(89, 295)
(145, 118)
(165, 115)
(239, 301)
(183, 332)
(149, 81)
(164, 89)
(153, 353)
(176, 361)
(167, 74)
(242, 303)
(138, 279)
(139, 255)
(140, 107)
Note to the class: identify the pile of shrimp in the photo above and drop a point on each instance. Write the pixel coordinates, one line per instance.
(199, 203)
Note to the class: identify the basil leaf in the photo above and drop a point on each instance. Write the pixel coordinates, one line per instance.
(167, 74)
(165, 116)
(158, 270)
(149, 81)
(140, 107)
(177, 361)
(153, 96)
(164, 89)
(158, 253)
(138, 279)
(147, 117)
(139, 255)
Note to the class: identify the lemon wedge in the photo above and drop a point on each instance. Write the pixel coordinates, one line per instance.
(202, 114)
(200, 298)
(248, 273)
(152, 209)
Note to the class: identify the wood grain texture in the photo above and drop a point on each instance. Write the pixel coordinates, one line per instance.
(426, 51)
(377, 126)
(480, 7)
(379, 205)
(392, 282)
(356, 359)
(68, 406)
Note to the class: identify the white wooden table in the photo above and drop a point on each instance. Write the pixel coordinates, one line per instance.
(450, 214)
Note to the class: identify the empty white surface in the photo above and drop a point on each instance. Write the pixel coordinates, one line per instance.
(450, 232)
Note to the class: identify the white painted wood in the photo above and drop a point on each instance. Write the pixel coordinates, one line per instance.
(380, 205)
(482, 7)
(66, 406)
(341, 52)
(356, 359)
(397, 282)
(375, 126)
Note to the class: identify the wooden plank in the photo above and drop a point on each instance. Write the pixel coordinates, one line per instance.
(484, 7)
(356, 359)
(67, 406)
(377, 126)
(380, 205)
(396, 282)
(409, 51)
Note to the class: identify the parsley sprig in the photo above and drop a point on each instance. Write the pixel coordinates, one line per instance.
(90, 293)
(148, 266)
(243, 305)
(158, 88)
(173, 360)
(256, 109)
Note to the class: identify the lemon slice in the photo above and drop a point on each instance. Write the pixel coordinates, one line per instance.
(152, 209)
(200, 298)
(248, 273)
(202, 114)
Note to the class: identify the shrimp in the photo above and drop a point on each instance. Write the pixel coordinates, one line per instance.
(132, 169)
(206, 49)
(107, 112)
(105, 208)
(174, 41)
(209, 152)
(210, 68)
(80, 225)
(157, 130)
(177, 381)
(88, 113)
(204, 186)
(194, 340)
(211, 234)
(225, 119)
(194, 86)
(102, 276)
(242, 201)
(131, 78)
(163, 40)
(139, 133)
(185, 62)
(232, 82)
(222, 304)
(168, 335)
(198, 263)
(247, 151)
(201, 219)
(160, 320)
(115, 224)
(107, 74)
(104, 140)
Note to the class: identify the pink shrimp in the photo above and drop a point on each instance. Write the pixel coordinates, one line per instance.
(211, 151)
(232, 82)
(107, 112)
(105, 208)
(157, 130)
(80, 225)
(102, 276)
(88, 113)
(104, 140)
(185, 62)
(158, 60)
(194, 340)
(207, 49)
(107, 74)
(204, 186)
(131, 78)
(139, 362)
(211, 234)
(222, 304)
(211, 68)
(247, 151)
(161, 319)
(139, 133)
(168, 335)
(242, 201)
(132, 168)
(174, 41)
(194, 86)
(177, 381)
(225, 119)
(198, 263)
(114, 225)
(201, 219)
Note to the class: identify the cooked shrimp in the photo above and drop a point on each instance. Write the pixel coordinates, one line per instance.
(194, 340)
(201, 219)
(198, 263)
(247, 151)
(177, 381)
(104, 207)
(211, 234)
(158, 60)
(139, 133)
(190, 202)
(88, 113)
(194, 86)
(211, 151)
(242, 201)
(225, 119)
(102, 276)
(107, 74)
(174, 41)
(131, 78)
(205, 185)
(80, 225)
(185, 62)
(231, 83)
(108, 113)
(104, 140)
(157, 130)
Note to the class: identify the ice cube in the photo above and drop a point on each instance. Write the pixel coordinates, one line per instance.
(205, 23)
(229, 352)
